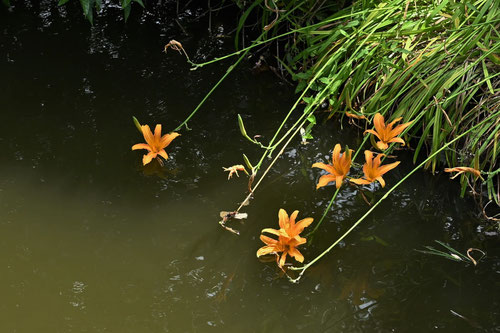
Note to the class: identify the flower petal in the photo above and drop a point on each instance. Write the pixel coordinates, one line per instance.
(374, 133)
(326, 167)
(148, 135)
(297, 240)
(265, 250)
(338, 181)
(296, 254)
(283, 219)
(324, 180)
(336, 153)
(393, 122)
(148, 158)
(382, 145)
(163, 154)
(282, 260)
(167, 139)
(381, 181)
(399, 129)
(141, 146)
(398, 140)
(268, 240)
(360, 181)
(304, 223)
(293, 217)
(284, 235)
(385, 168)
(271, 231)
(157, 132)
(347, 161)
(378, 122)
(376, 161)
(368, 159)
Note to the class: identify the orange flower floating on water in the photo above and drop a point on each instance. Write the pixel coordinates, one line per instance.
(373, 171)
(386, 133)
(288, 238)
(155, 144)
(461, 170)
(337, 170)
(235, 169)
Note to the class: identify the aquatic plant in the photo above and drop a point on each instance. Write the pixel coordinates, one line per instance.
(288, 238)
(453, 254)
(338, 170)
(373, 171)
(155, 143)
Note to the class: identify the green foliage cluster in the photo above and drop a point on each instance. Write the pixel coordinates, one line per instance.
(436, 62)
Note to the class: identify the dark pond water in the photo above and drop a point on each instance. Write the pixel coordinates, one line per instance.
(92, 241)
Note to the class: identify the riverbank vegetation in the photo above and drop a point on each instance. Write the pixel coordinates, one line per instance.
(435, 63)
(432, 65)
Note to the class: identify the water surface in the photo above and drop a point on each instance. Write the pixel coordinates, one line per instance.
(92, 241)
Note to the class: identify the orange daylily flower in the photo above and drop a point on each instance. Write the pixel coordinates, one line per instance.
(386, 133)
(288, 238)
(373, 171)
(155, 144)
(337, 170)
(461, 170)
(235, 169)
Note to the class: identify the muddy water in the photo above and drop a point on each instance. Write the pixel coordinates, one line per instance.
(92, 241)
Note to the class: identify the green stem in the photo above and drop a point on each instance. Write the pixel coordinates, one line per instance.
(257, 42)
(230, 69)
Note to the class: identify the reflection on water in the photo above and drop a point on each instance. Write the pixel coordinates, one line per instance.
(92, 241)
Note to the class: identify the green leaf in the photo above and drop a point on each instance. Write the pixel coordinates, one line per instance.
(308, 100)
(242, 126)
(242, 20)
(312, 119)
(344, 33)
(402, 50)
(486, 75)
(302, 76)
(137, 124)
(85, 6)
(126, 12)
(247, 162)
(125, 3)
(60, 3)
